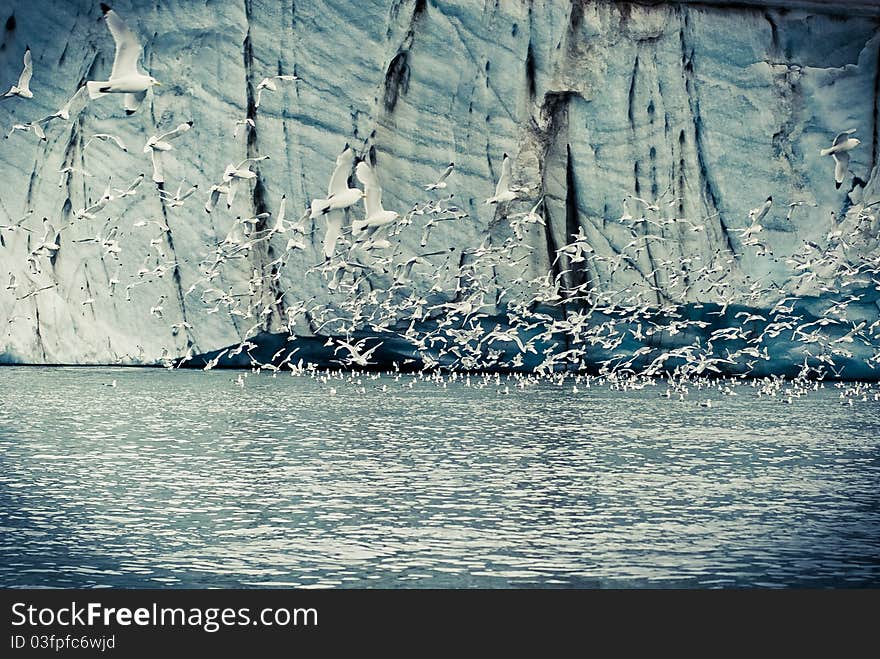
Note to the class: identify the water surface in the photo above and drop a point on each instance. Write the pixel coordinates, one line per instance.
(184, 479)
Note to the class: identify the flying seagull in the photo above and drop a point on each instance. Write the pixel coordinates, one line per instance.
(270, 84)
(162, 142)
(503, 191)
(441, 182)
(339, 197)
(839, 150)
(22, 88)
(376, 216)
(125, 77)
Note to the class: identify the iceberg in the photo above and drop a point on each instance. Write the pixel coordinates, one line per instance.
(646, 135)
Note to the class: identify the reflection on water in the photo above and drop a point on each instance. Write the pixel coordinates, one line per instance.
(183, 479)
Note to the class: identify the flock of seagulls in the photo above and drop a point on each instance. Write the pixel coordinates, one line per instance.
(446, 303)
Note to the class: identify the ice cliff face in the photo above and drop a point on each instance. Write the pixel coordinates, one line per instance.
(708, 109)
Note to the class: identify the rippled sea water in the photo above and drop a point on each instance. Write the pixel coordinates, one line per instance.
(184, 479)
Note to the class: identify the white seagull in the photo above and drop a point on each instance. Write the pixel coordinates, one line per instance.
(503, 191)
(839, 151)
(355, 356)
(759, 213)
(441, 182)
(376, 216)
(339, 196)
(106, 137)
(269, 83)
(125, 77)
(233, 173)
(242, 122)
(50, 241)
(279, 219)
(22, 88)
(121, 194)
(34, 126)
(214, 196)
(162, 142)
(177, 199)
(74, 104)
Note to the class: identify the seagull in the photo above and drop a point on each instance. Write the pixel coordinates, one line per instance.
(531, 217)
(341, 195)
(627, 216)
(355, 354)
(503, 191)
(18, 223)
(759, 213)
(177, 199)
(441, 182)
(242, 122)
(647, 204)
(279, 219)
(376, 216)
(22, 88)
(157, 310)
(50, 242)
(235, 173)
(403, 271)
(30, 126)
(125, 77)
(72, 104)
(106, 137)
(839, 151)
(89, 211)
(67, 171)
(792, 206)
(130, 189)
(161, 142)
(269, 83)
(214, 196)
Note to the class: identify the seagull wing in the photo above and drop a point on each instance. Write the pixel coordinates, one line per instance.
(339, 178)
(188, 193)
(843, 137)
(369, 353)
(74, 104)
(504, 179)
(50, 234)
(158, 172)
(841, 164)
(445, 174)
(128, 48)
(334, 229)
(24, 80)
(135, 183)
(177, 132)
(279, 219)
(213, 198)
(372, 191)
(230, 195)
(106, 136)
(132, 101)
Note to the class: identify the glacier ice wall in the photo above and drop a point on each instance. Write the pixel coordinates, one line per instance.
(711, 107)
